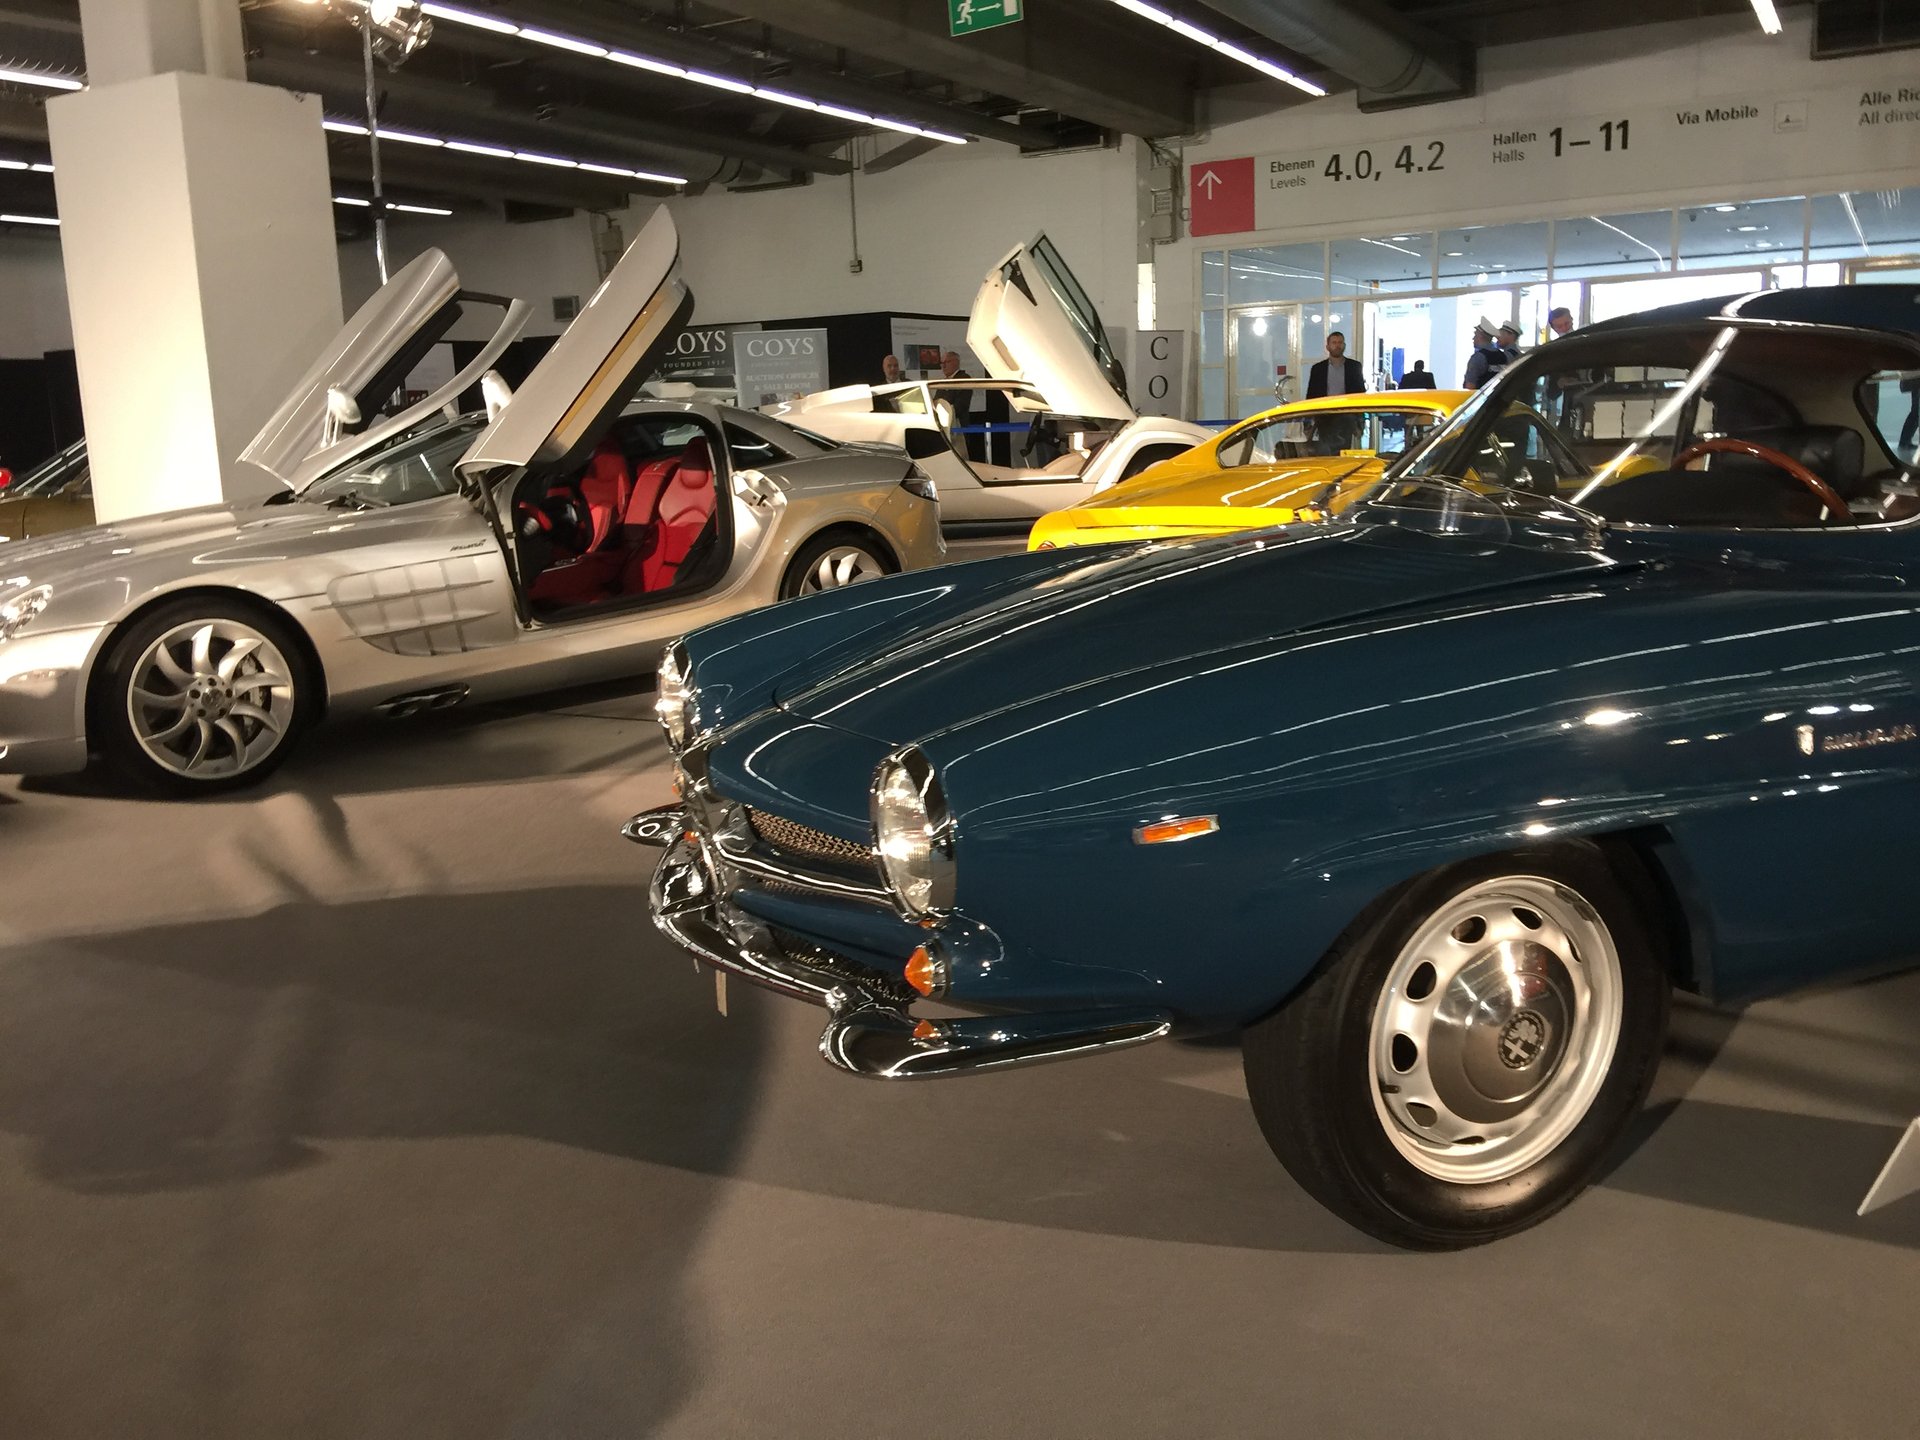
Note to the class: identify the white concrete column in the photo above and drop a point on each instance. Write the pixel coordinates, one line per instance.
(197, 233)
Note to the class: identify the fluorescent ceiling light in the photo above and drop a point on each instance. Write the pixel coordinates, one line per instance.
(502, 152)
(718, 82)
(46, 82)
(351, 200)
(496, 25)
(1768, 17)
(562, 42)
(1726, 209)
(419, 209)
(1223, 47)
(13, 164)
(40, 169)
(784, 97)
(645, 62)
(1385, 246)
(28, 220)
(455, 16)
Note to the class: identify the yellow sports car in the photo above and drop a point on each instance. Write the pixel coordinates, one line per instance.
(1302, 461)
(56, 495)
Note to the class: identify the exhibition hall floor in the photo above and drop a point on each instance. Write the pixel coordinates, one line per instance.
(369, 1104)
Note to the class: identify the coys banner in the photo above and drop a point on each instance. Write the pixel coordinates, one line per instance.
(770, 366)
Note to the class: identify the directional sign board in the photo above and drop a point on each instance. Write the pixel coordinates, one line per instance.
(1220, 196)
(964, 17)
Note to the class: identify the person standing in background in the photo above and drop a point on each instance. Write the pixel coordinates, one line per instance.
(890, 369)
(1418, 378)
(1559, 320)
(1335, 375)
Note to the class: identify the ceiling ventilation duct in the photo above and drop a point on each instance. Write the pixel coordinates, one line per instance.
(1864, 27)
(1391, 63)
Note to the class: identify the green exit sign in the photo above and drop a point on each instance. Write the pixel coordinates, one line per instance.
(964, 17)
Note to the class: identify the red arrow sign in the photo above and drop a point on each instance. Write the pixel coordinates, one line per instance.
(1220, 197)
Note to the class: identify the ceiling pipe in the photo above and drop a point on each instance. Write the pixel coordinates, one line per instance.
(1390, 62)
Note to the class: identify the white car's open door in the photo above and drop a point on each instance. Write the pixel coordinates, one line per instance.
(1032, 321)
(328, 417)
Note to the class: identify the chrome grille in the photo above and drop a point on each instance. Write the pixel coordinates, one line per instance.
(800, 839)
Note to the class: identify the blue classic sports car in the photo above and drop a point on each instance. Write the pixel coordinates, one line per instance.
(1611, 686)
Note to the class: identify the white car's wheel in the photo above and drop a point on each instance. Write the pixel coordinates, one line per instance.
(200, 696)
(1464, 1060)
(829, 562)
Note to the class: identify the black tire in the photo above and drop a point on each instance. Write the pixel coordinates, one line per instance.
(1311, 1065)
(874, 560)
(111, 705)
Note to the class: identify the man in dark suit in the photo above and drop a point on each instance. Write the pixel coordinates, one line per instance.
(1335, 375)
(1418, 378)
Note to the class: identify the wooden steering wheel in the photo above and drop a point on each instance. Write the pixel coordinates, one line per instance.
(1730, 445)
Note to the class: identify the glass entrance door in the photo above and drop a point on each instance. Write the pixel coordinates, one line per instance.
(1263, 358)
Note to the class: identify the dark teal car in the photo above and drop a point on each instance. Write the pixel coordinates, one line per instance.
(1612, 686)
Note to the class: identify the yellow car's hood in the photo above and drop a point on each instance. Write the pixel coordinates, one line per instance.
(1248, 487)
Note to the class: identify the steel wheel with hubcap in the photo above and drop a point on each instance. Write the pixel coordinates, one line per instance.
(830, 562)
(200, 699)
(1464, 1059)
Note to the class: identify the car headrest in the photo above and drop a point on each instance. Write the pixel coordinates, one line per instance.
(1835, 453)
(696, 464)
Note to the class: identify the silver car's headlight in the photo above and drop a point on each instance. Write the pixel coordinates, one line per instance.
(673, 704)
(18, 609)
(913, 834)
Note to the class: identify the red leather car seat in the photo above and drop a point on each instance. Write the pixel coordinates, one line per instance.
(685, 506)
(607, 488)
(643, 502)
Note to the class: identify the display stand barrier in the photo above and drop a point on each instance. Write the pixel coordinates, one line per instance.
(1900, 1176)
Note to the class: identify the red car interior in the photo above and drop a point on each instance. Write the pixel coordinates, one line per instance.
(685, 506)
(642, 526)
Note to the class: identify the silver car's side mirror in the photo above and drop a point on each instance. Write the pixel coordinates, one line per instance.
(342, 411)
(494, 394)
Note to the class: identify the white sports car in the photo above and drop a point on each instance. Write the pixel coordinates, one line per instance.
(1041, 340)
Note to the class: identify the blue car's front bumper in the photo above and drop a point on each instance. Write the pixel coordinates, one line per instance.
(871, 1030)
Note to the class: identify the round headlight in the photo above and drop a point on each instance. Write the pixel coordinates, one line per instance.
(18, 608)
(673, 704)
(913, 834)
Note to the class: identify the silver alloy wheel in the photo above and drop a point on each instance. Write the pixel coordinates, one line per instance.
(842, 565)
(211, 699)
(1495, 1029)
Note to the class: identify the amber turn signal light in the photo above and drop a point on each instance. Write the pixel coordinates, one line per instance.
(925, 973)
(1186, 827)
(926, 1030)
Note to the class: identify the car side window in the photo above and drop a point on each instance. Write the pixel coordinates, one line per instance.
(1265, 444)
(1890, 400)
(1519, 452)
(746, 449)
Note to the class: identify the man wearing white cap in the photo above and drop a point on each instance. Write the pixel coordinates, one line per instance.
(1490, 357)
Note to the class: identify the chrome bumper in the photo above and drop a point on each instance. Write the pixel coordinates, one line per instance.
(871, 1031)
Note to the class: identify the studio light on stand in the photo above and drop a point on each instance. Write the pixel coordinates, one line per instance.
(390, 32)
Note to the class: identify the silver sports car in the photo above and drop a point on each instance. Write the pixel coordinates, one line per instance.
(416, 562)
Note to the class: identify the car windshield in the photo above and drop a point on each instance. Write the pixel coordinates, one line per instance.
(1708, 425)
(1386, 432)
(418, 467)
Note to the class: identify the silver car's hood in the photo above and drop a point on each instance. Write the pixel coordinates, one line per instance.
(203, 540)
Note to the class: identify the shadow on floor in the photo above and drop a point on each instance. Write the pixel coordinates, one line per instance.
(479, 744)
(210, 1073)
